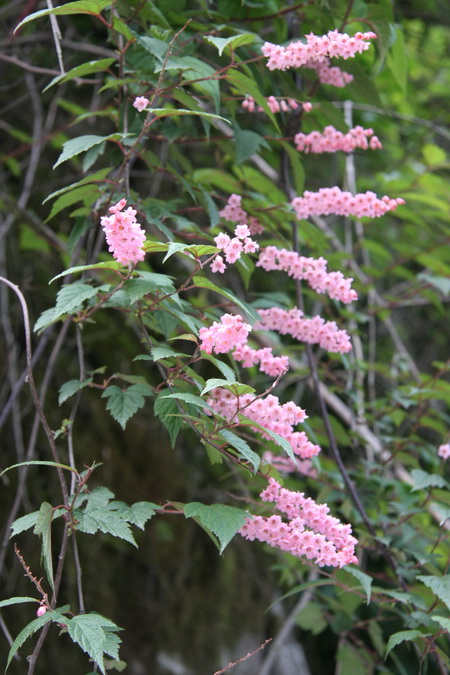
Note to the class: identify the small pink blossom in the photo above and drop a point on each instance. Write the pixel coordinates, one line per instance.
(124, 234)
(140, 103)
(332, 140)
(342, 203)
(444, 451)
(41, 610)
(218, 265)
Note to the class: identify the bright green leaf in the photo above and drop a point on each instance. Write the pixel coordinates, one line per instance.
(223, 521)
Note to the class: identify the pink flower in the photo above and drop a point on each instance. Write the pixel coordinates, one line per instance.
(140, 103)
(218, 265)
(332, 140)
(341, 203)
(124, 234)
(444, 451)
(41, 610)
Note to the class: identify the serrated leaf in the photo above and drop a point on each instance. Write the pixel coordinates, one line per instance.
(242, 447)
(167, 411)
(94, 519)
(38, 462)
(279, 440)
(157, 48)
(72, 296)
(78, 7)
(223, 521)
(439, 585)
(424, 480)
(80, 71)
(93, 633)
(402, 636)
(88, 194)
(226, 371)
(235, 387)
(124, 403)
(233, 41)
(83, 268)
(17, 601)
(47, 317)
(178, 112)
(43, 527)
(443, 621)
(100, 497)
(189, 398)
(247, 143)
(75, 146)
(141, 512)
(70, 388)
(364, 579)
(159, 353)
(24, 523)
(30, 629)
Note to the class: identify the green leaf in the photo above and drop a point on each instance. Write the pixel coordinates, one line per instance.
(443, 621)
(124, 403)
(424, 480)
(247, 143)
(47, 317)
(141, 512)
(167, 410)
(24, 523)
(94, 519)
(223, 521)
(397, 61)
(71, 297)
(96, 636)
(43, 527)
(80, 71)
(439, 585)
(279, 440)
(226, 371)
(159, 353)
(38, 462)
(94, 7)
(441, 283)
(70, 388)
(176, 112)
(30, 629)
(83, 268)
(242, 447)
(157, 48)
(233, 41)
(189, 398)
(236, 388)
(17, 601)
(81, 144)
(401, 636)
(364, 579)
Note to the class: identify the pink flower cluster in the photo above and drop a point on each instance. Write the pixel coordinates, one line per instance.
(268, 363)
(234, 212)
(275, 105)
(124, 234)
(341, 203)
(140, 103)
(269, 413)
(225, 335)
(444, 451)
(309, 532)
(233, 248)
(328, 74)
(312, 270)
(332, 140)
(313, 331)
(316, 48)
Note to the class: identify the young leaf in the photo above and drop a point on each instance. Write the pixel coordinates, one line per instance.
(31, 628)
(71, 297)
(17, 601)
(223, 521)
(78, 7)
(124, 403)
(70, 388)
(233, 41)
(93, 519)
(242, 447)
(24, 523)
(401, 636)
(93, 633)
(167, 410)
(81, 144)
(83, 268)
(364, 579)
(82, 70)
(424, 480)
(439, 585)
(141, 512)
(43, 527)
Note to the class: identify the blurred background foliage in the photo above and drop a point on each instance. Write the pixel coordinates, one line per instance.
(181, 605)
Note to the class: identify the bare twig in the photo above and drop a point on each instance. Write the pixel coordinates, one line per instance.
(244, 658)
